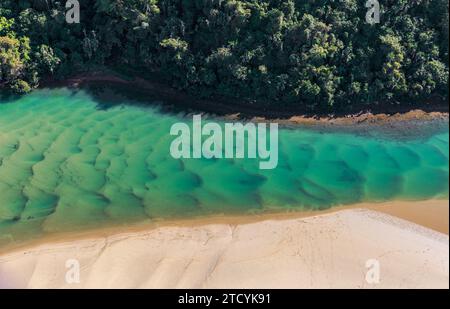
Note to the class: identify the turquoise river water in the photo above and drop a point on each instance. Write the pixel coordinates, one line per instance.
(68, 163)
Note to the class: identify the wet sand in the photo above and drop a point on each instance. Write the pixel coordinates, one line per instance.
(433, 214)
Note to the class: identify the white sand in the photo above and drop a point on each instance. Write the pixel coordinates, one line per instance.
(327, 251)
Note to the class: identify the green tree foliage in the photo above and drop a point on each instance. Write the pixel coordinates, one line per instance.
(316, 54)
(14, 58)
(12, 64)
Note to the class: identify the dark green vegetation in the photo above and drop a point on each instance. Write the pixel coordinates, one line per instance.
(311, 54)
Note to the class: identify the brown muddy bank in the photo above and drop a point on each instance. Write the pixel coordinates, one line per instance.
(383, 115)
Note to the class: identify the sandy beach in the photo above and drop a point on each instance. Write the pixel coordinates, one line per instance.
(339, 249)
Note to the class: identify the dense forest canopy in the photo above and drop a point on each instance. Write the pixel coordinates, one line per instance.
(319, 54)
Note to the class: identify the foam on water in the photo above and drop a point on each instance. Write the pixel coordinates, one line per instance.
(66, 164)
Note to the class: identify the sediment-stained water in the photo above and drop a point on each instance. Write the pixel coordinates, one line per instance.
(67, 163)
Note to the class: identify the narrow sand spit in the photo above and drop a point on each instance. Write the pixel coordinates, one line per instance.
(325, 251)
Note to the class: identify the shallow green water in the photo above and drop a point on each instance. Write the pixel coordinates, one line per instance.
(67, 164)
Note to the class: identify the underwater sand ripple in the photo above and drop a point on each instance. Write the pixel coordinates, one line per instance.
(66, 164)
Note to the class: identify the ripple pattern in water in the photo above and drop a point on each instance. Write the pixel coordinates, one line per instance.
(65, 164)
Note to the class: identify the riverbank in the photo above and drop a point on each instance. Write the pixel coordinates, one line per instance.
(378, 115)
(431, 214)
(322, 251)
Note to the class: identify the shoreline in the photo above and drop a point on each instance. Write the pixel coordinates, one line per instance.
(324, 251)
(431, 214)
(382, 115)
